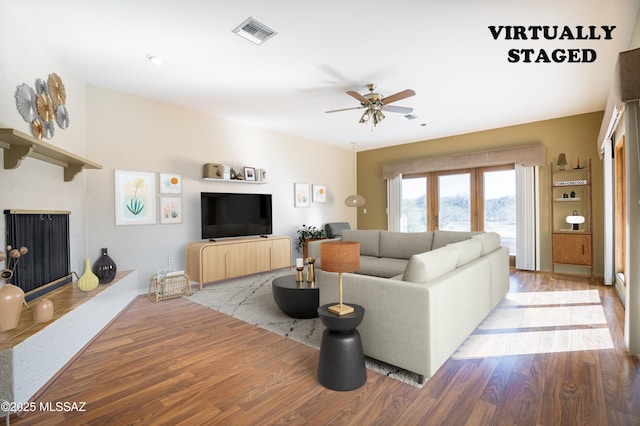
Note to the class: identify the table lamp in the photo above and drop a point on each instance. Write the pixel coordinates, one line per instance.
(340, 256)
(562, 161)
(575, 220)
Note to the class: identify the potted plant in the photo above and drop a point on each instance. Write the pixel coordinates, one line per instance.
(306, 234)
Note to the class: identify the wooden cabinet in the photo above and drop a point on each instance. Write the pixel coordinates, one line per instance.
(209, 261)
(281, 253)
(571, 249)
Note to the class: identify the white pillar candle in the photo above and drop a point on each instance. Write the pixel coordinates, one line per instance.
(299, 263)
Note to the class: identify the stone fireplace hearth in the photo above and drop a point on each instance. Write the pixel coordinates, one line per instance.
(32, 353)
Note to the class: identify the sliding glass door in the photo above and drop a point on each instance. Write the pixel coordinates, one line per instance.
(414, 204)
(478, 199)
(453, 202)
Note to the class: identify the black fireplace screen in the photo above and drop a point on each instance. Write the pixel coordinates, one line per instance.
(46, 235)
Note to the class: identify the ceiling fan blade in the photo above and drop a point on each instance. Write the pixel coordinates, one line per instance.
(358, 96)
(399, 109)
(343, 109)
(400, 95)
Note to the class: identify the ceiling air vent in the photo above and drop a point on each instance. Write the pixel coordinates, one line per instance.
(254, 31)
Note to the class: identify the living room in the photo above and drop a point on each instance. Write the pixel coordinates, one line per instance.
(121, 131)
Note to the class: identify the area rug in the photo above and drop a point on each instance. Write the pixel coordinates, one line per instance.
(250, 299)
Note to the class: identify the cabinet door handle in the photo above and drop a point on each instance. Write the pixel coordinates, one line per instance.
(583, 249)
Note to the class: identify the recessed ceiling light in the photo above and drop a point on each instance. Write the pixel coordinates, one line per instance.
(410, 116)
(254, 31)
(155, 59)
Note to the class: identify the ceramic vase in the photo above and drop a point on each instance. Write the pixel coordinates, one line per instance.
(43, 311)
(88, 281)
(11, 300)
(105, 268)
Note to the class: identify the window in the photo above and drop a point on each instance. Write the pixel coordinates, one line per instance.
(476, 199)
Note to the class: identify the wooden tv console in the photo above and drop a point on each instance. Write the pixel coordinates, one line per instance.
(209, 261)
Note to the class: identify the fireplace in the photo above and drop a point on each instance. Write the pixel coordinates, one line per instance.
(47, 264)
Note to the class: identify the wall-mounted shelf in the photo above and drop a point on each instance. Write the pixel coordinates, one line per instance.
(18, 145)
(235, 181)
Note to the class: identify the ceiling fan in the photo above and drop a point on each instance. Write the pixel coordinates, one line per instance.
(375, 103)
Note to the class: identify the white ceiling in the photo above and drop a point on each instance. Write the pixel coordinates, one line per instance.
(442, 50)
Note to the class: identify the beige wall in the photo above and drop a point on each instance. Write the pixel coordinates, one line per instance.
(126, 132)
(575, 136)
(36, 185)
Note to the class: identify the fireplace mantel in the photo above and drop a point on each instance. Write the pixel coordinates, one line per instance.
(18, 145)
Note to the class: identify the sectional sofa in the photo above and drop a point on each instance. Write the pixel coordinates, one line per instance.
(423, 293)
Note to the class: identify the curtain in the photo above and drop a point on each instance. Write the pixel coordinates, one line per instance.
(527, 218)
(394, 203)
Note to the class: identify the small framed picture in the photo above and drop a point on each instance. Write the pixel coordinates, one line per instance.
(249, 173)
(170, 183)
(302, 197)
(170, 210)
(319, 193)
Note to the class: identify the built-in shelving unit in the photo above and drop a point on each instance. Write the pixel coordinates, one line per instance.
(18, 145)
(571, 249)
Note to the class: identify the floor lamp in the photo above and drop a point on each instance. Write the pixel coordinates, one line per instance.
(340, 256)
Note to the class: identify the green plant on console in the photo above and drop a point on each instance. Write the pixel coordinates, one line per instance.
(309, 233)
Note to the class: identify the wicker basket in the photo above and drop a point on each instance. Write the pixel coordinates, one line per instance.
(167, 287)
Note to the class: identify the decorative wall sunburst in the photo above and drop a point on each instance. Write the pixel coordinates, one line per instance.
(44, 106)
(26, 102)
(56, 90)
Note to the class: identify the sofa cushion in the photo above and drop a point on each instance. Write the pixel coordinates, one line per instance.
(369, 240)
(430, 265)
(468, 250)
(490, 242)
(403, 245)
(383, 267)
(442, 238)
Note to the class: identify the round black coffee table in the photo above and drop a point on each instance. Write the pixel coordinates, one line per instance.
(341, 366)
(298, 300)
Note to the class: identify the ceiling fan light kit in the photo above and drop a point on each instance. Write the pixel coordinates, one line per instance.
(374, 103)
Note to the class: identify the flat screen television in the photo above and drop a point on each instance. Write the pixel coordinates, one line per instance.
(226, 214)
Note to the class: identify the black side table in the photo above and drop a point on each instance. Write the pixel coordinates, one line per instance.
(341, 366)
(298, 300)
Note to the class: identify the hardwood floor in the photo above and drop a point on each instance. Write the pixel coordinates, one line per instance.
(176, 362)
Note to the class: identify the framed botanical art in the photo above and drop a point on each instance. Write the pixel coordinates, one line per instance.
(302, 197)
(170, 183)
(135, 198)
(170, 210)
(319, 193)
